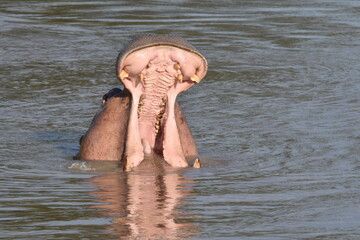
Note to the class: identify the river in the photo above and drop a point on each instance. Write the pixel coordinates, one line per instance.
(276, 121)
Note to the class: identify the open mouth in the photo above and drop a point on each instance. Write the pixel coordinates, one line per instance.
(155, 69)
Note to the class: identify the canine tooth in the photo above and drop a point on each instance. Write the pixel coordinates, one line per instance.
(177, 66)
(180, 77)
(197, 163)
(195, 78)
(148, 65)
(123, 74)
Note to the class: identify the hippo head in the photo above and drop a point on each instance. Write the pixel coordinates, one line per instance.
(154, 69)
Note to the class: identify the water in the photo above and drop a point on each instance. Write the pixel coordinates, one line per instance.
(276, 120)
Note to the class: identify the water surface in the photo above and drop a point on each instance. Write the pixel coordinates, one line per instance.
(276, 120)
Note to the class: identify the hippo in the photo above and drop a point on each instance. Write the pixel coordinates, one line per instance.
(144, 119)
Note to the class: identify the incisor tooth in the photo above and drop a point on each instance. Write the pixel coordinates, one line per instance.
(123, 74)
(195, 78)
(180, 77)
(142, 77)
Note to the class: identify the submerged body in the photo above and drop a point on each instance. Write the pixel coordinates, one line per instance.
(145, 120)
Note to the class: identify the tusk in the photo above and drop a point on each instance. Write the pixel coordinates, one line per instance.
(126, 165)
(142, 77)
(197, 163)
(195, 78)
(177, 66)
(123, 74)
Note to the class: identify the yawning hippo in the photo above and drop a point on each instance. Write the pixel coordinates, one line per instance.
(144, 119)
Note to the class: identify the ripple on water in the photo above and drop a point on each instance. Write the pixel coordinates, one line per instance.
(276, 122)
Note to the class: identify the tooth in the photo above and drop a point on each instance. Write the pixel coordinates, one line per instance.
(180, 77)
(139, 110)
(142, 76)
(195, 78)
(197, 163)
(123, 74)
(126, 165)
(148, 65)
(177, 66)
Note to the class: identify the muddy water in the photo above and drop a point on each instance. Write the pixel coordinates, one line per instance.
(277, 121)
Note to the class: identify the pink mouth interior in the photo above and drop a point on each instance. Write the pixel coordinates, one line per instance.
(155, 76)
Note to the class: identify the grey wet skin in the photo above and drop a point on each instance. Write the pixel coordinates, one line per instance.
(136, 123)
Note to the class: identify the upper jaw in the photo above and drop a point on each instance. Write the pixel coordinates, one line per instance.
(137, 54)
(188, 66)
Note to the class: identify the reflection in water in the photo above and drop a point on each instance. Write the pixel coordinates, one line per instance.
(145, 204)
